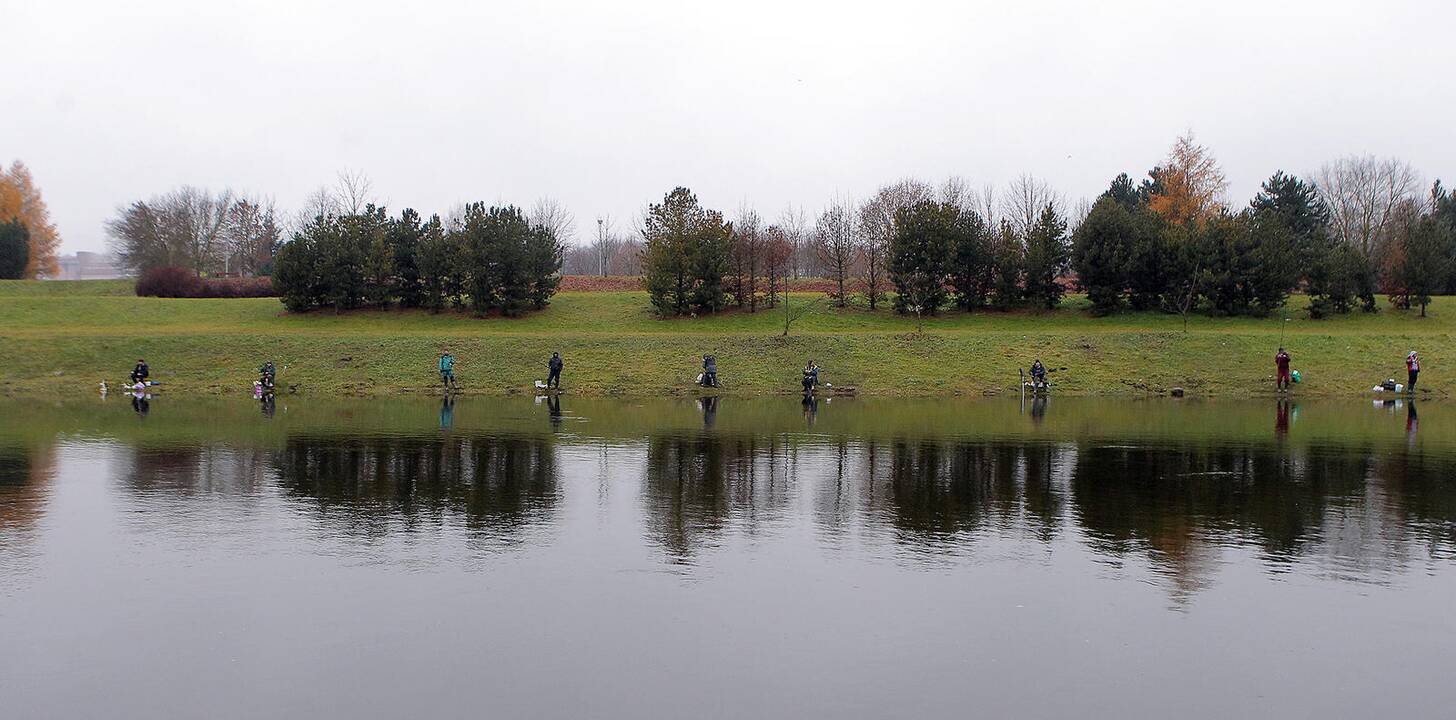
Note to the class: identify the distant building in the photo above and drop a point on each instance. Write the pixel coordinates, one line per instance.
(90, 266)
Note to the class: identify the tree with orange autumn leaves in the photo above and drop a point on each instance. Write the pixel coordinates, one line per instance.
(20, 200)
(1188, 189)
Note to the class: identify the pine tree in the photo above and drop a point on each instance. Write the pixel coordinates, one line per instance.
(973, 264)
(14, 249)
(1125, 193)
(686, 255)
(1006, 288)
(1100, 253)
(1047, 257)
(668, 237)
(920, 254)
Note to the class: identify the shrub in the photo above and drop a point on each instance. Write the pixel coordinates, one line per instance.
(177, 282)
(254, 287)
(169, 282)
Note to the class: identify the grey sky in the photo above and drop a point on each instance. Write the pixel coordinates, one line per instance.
(606, 107)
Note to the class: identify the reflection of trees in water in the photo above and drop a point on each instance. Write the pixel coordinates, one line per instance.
(1180, 503)
(185, 471)
(25, 480)
(497, 482)
(696, 484)
(936, 489)
(1420, 493)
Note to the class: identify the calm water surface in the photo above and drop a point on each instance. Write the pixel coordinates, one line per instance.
(726, 558)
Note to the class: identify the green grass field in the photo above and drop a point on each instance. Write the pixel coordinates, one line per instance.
(64, 337)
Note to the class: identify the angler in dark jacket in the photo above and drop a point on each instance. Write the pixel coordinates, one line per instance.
(141, 372)
(811, 377)
(553, 367)
(710, 371)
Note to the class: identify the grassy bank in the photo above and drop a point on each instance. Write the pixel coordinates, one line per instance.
(64, 337)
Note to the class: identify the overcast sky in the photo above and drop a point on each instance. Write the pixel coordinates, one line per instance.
(607, 106)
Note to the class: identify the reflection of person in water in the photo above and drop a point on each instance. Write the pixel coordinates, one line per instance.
(140, 404)
(553, 407)
(447, 412)
(267, 405)
(1038, 409)
(811, 409)
(1281, 419)
(1412, 421)
(710, 410)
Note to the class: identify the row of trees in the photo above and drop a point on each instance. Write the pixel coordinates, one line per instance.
(204, 231)
(491, 258)
(920, 241)
(28, 239)
(694, 261)
(976, 248)
(1172, 243)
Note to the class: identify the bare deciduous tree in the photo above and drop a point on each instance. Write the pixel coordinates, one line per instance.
(778, 250)
(1363, 194)
(836, 245)
(1025, 199)
(185, 227)
(877, 227)
(794, 222)
(353, 191)
(746, 257)
(549, 213)
(250, 235)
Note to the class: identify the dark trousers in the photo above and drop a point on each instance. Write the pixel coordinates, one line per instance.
(1410, 385)
(554, 378)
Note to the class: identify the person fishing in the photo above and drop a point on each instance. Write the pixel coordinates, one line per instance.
(811, 377)
(1038, 374)
(447, 370)
(267, 376)
(1281, 364)
(553, 367)
(1412, 371)
(141, 372)
(710, 371)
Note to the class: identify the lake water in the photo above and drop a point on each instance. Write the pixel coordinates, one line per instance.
(726, 558)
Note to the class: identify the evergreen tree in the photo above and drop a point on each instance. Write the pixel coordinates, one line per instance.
(435, 257)
(1160, 263)
(544, 253)
(493, 241)
(1334, 278)
(973, 263)
(920, 254)
(1298, 206)
(1006, 288)
(1125, 193)
(1100, 253)
(712, 242)
(378, 271)
(1047, 257)
(685, 255)
(1426, 252)
(668, 238)
(14, 249)
(1248, 263)
(1280, 257)
(299, 264)
(404, 242)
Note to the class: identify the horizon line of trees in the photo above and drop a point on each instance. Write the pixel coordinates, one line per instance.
(1357, 228)
(1361, 228)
